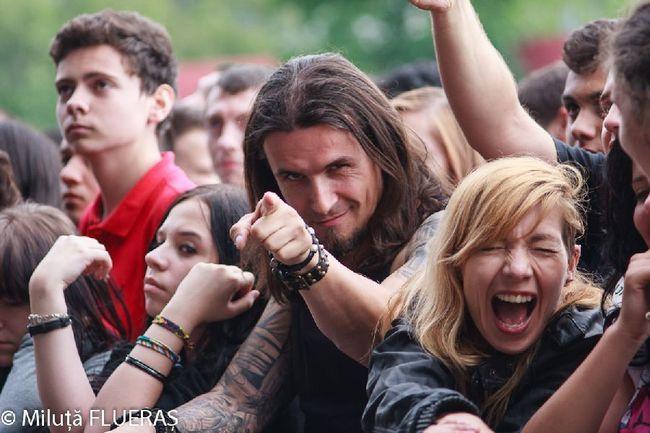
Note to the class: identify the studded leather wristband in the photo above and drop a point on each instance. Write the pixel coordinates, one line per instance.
(294, 281)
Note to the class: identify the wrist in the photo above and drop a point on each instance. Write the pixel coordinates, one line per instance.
(44, 300)
(179, 315)
(630, 341)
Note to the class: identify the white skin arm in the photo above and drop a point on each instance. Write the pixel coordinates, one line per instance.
(480, 88)
(597, 390)
(205, 295)
(346, 306)
(62, 381)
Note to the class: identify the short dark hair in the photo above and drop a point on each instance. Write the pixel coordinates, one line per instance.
(183, 118)
(240, 77)
(584, 49)
(327, 89)
(144, 44)
(35, 162)
(631, 50)
(541, 92)
(414, 75)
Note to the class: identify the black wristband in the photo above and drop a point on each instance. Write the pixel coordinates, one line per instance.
(275, 263)
(296, 282)
(48, 326)
(145, 368)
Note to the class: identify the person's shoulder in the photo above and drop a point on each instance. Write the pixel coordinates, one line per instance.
(575, 324)
(574, 154)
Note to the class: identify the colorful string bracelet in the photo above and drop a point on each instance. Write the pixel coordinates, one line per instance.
(158, 346)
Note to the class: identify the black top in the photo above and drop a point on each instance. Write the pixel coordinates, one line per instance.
(409, 389)
(331, 385)
(592, 166)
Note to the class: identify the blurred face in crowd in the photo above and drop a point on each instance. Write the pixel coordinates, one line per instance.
(192, 155)
(512, 287)
(183, 240)
(13, 324)
(634, 131)
(581, 99)
(79, 186)
(100, 104)
(641, 187)
(612, 119)
(326, 176)
(420, 122)
(226, 116)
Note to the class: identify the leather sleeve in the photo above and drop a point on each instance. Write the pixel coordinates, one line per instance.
(408, 389)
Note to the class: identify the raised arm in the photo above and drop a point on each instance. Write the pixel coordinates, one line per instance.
(62, 381)
(480, 88)
(599, 390)
(346, 306)
(205, 295)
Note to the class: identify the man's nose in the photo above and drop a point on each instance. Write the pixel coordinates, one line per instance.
(323, 197)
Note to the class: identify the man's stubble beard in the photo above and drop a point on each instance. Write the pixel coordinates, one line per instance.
(341, 247)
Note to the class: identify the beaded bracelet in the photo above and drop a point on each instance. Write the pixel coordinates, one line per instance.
(175, 329)
(158, 346)
(145, 368)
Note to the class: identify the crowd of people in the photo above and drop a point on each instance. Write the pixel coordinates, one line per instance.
(304, 249)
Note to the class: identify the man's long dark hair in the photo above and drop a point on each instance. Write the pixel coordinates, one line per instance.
(327, 89)
(27, 232)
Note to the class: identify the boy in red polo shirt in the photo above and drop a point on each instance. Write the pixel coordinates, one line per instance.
(115, 73)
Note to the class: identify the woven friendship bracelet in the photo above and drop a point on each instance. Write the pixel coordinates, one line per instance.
(145, 368)
(158, 346)
(175, 329)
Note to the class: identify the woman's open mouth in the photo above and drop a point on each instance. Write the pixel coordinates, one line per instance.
(513, 311)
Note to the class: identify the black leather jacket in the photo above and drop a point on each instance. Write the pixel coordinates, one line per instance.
(409, 389)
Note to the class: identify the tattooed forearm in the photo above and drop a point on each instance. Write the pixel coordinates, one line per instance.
(417, 250)
(253, 386)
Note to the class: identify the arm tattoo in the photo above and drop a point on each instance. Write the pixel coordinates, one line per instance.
(417, 246)
(254, 385)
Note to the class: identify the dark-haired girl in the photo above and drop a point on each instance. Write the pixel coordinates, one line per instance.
(191, 286)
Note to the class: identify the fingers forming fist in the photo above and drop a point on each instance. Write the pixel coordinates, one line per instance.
(277, 227)
(636, 297)
(69, 258)
(212, 292)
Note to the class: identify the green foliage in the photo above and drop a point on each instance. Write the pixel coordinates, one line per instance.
(375, 34)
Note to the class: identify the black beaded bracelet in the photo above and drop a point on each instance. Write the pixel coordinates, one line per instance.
(51, 325)
(145, 368)
(303, 281)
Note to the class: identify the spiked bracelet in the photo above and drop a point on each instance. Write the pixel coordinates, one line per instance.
(295, 281)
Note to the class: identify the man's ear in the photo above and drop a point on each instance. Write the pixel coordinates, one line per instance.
(574, 258)
(163, 100)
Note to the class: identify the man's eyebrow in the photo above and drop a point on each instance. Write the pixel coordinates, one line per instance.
(341, 160)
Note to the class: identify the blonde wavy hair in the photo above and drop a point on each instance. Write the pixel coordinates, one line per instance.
(485, 207)
(445, 130)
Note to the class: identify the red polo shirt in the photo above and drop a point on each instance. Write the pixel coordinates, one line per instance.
(129, 229)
